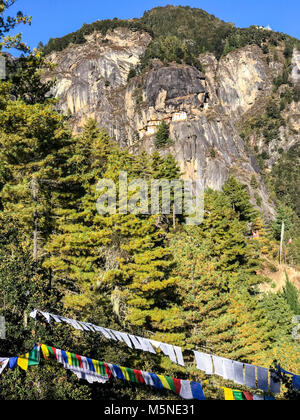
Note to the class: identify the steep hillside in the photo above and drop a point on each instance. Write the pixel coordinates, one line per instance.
(278, 278)
(105, 259)
(227, 94)
(197, 30)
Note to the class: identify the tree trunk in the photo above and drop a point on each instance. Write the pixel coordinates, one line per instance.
(35, 191)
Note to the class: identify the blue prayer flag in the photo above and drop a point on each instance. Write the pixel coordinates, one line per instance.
(197, 391)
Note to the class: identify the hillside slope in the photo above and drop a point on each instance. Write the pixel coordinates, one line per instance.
(212, 86)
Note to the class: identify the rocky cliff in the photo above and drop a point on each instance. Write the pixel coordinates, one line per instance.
(204, 110)
(296, 67)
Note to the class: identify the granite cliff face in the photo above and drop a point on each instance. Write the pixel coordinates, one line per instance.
(296, 67)
(87, 74)
(203, 110)
(239, 79)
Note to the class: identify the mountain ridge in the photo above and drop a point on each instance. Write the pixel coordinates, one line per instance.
(170, 20)
(241, 114)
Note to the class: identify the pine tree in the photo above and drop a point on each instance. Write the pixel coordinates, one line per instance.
(121, 260)
(291, 295)
(9, 23)
(240, 199)
(204, 302)
(33, 148)
(217, 266)
(284, 214)
(25, 75)
(252, 334)
(162, 137)
(279, 316)
(226, 235)
(75, 246)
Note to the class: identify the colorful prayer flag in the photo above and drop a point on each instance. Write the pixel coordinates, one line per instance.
(238, 395)
(29, 359)
(228, 394)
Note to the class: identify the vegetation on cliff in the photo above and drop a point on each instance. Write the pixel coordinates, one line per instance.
(195, 286)
(181, 34)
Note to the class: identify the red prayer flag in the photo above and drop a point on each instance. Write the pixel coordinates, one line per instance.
(248, 396)
(177, 384)
(108, 371)
(139, 376)
(79, 360)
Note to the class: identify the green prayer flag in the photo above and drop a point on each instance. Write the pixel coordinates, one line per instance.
(51, 352)
(102, 369)
(238, 395)
(33, 359)
(132, 375)
(75, 361)
(171, 383)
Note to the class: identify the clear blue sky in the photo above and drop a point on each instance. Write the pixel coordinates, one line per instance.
(55, 18)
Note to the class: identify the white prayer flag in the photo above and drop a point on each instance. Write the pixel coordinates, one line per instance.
(250, 376)
(186, 390)
(263, 379)
(112, 335)
(3, 364)
(59, 356)
(123, 338)
(84, 326)
(85, 363)
(146, 345)
(33, 314)
(168, 350)
(238, 373)
(179, 355)
(75, 325)
(56, 318)
(275, 383)
(219, 367)
(135, 342)
(126, 339)
(90, 326)
(228, 369)
(47, 316)
(103, 331)
(204, 362)
(156, 344)
(147, 378)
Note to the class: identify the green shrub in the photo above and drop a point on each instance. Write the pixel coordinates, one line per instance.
(254, 183)
(132, 73)
(258, 199)
(296, 94)
(162, 137)
(212, 152)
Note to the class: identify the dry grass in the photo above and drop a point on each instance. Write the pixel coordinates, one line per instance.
(278, 278)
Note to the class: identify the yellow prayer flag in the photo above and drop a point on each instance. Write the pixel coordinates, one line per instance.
(229, 394)
(125, 373)
(96, 366)
(45, 351)
(23, 361)
(164, 382)
(69, 358)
